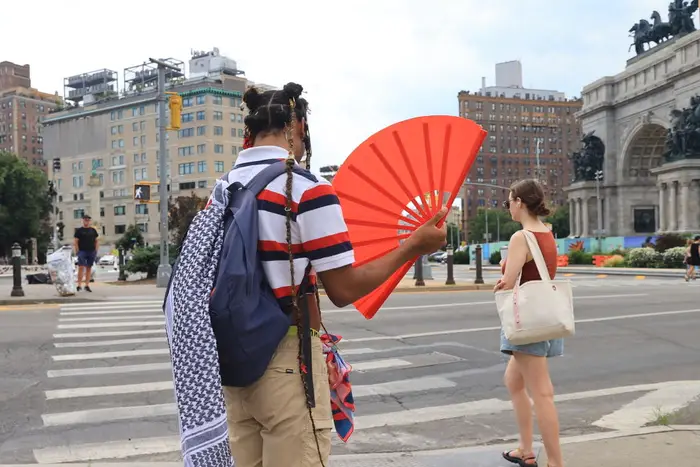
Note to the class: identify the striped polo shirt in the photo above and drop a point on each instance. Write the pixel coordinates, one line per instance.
(319, 232)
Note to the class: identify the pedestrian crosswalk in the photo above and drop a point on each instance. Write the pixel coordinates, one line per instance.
(109, 391)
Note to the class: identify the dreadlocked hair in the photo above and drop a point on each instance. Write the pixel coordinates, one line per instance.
(273, 112)
(269, 112)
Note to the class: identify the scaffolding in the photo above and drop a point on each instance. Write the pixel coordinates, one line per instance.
(92, 86)
(144, 77)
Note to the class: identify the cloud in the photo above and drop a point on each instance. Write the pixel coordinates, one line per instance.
(364, 64)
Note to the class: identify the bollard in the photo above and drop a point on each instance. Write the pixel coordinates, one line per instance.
(479, 272)
(17, 271)
(122, 276)
(419, 272)
(450, 266)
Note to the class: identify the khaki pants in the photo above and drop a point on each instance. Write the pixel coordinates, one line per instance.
(269, 422)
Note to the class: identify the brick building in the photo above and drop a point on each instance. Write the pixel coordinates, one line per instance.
(21, 110)
(531, 132)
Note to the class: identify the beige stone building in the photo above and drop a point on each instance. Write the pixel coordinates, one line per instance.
(107, 145)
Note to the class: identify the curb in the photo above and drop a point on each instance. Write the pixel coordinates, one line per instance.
(433, 288)
(501, 446)
(594, 271)
(47, 301)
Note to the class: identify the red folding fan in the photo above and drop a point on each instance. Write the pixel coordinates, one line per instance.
(397, 180)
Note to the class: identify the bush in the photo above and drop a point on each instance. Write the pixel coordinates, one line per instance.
(673, 257)
(146, 259)
(461, 257)
(495, 257)
(644, 258)
(615, 261)
(580, 257)
(667, 241)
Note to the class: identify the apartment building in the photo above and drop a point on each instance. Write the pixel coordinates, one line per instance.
(21, 110)
(531, 132)
(108, 144)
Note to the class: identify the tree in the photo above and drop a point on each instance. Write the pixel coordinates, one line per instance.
(24, 202)
(500, 225)
(181, 213)
(560, 221)
(132, 238)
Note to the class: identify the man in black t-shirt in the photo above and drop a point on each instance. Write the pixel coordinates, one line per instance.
(85, 247)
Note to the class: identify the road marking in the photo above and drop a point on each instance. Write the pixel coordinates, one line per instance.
(402, 386)
(640, 277)
(109, 390)
(78, 335)
(103, 318)
(497, 328)
(107, 305)
(108, 415)
(113, 325)
(22, 308)
(569, 274)
(109, 370)
(601, 276)
(380, 364)
(111, 312)
(145, 340)
(665, 399)
(107, 450)
(116, 354)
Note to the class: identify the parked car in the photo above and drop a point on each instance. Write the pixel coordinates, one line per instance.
(108, 260)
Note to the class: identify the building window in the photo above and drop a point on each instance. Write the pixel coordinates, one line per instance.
(185, 169)
(119, 229)
(201, 166)
(241, 133)
(201, 115)
(201, 100)
(140, 174)
(187, 186)
(185, 151)
(141, 209)
(118, 160)
(218, 115)
(78, 213)
(216, 100)
(78, 181)
(219, 148)
(118, 177)
(119, 210)
(201, 148)
(186, 102)
(219, 166)
(218, 130)
(142, 226)
(201, 130)
(186, 132)
(188, 117)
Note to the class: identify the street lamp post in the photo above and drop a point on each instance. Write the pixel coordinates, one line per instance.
(450, 266)
(17, 290)
(600, 232)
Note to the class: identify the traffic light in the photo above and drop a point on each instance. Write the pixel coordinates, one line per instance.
(175, 104)
(57, 164)
(142, 192)
(60, 226)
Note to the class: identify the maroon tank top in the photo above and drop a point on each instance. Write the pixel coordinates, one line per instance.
(548, 245)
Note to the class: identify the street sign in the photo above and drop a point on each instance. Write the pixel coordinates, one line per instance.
(142, 192)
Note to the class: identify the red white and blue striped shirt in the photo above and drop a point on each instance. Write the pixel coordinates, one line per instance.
(319, 233)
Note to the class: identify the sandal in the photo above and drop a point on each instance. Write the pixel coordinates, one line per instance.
(517, 456)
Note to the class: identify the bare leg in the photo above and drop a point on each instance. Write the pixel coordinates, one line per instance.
(515, 383)
(536, 374)
(81, 274)
(88, 275)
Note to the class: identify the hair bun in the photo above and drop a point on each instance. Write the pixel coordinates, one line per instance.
(542, 210)
(252, 99)
(292, 90)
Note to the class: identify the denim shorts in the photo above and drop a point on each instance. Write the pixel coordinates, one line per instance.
(86, 258)
(549, 349)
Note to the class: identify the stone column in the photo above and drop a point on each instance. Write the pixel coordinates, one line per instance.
(694, 206)
(572, 220)
(662, 207)
(585, 205)
(577, 216)
(607, 220)
(673, 212)
(684, 207)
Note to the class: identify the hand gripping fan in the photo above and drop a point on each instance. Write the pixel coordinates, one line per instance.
(397, 180)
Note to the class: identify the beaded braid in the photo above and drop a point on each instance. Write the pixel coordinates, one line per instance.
(295, 302)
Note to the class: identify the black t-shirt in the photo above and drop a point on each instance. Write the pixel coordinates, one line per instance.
(86, 238)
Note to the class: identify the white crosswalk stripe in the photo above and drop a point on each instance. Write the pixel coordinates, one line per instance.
(111, 368)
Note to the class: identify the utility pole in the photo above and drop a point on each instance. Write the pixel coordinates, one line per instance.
(164, 268)
(600, 232)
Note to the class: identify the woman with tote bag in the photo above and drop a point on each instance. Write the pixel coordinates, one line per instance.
(527, 370)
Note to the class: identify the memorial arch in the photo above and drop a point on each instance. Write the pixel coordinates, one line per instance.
(644, 115)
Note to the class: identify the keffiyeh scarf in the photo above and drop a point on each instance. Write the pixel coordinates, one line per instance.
(193, 351)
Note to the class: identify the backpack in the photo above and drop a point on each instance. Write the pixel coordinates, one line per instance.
(246, 317)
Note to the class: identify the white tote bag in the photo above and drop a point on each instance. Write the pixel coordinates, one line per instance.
(536, 311)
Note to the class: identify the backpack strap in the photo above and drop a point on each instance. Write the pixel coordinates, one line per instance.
(266, 176)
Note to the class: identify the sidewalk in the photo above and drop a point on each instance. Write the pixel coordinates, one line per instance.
(105, 291)
(662, 446)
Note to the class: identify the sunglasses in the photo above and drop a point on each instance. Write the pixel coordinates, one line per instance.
(506, 203)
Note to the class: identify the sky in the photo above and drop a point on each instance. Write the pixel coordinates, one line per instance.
(364, 64)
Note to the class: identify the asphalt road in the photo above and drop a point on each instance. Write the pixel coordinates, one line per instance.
(427, 371)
